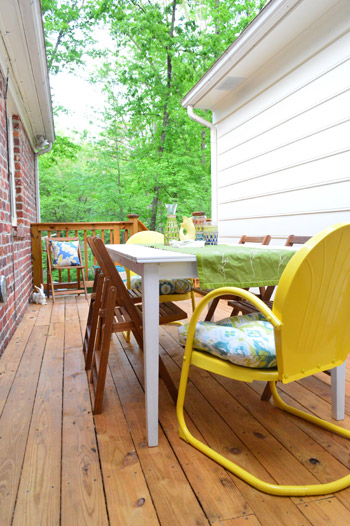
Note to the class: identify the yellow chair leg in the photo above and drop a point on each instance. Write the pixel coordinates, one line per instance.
(272, 489)
(310, 418)
(126, 335)
(193, 301)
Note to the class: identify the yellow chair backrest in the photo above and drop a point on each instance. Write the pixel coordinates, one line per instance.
(147, 236)
(313, 303)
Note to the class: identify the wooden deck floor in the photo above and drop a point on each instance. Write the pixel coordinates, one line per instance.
(61, 466)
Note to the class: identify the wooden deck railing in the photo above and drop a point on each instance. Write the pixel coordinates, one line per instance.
(109, 231)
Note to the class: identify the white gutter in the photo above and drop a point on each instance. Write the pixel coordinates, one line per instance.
(213, 159)
(36, 176)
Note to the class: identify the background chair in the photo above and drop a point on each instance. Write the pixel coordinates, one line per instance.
(261, 240)
(152, 237)
(311, 334)
(245, 307)
(118, 313)
(63, 253)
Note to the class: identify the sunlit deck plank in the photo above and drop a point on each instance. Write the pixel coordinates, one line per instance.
(15, 421)
(39, 492)
(165, 478)
(128, 499)
(83, 500)
(326, 512)
(250, 520)
(109, 476)
(201, 405)
(127, 495)
(11, 358)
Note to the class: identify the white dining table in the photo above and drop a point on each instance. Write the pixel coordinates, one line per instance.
(154, 264)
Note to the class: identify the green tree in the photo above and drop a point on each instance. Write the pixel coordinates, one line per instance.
(150, 152)
(161, 49)
(69, 25)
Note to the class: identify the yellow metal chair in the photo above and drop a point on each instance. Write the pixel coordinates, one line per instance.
(310, 317)
(152, 237)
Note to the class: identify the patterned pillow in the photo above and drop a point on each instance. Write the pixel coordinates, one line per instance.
(166, 286)
(65, 253)
(243, 340)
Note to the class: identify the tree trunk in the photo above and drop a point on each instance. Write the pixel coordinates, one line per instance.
(155, 202)
(119, 178)
(165, 121)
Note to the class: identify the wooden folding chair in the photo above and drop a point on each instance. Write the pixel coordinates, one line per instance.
(118, 313)
(68, 287)
(92, 319)
(262, 240)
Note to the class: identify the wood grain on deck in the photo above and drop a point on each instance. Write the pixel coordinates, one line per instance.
(61, 466)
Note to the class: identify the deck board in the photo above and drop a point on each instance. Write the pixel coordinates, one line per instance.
(15, 421)
(60, 465)
(39, 490)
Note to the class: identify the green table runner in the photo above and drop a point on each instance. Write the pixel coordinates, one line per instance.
(237, 266)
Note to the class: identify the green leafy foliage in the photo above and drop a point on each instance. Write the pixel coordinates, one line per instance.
(150, 152)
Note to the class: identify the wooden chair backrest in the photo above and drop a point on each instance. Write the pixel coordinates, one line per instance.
(296, 240)
(108, 268)
(263, 240)
(313, 302)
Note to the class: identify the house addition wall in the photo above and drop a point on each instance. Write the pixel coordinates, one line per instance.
(283, 147)
(15, 242)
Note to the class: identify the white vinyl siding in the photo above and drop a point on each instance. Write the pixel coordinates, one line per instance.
(284, 139)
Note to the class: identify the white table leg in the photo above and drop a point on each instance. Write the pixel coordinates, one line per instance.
(150, 315)
(338, 391)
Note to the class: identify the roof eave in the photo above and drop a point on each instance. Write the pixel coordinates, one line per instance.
(23, 39)
(260, 26)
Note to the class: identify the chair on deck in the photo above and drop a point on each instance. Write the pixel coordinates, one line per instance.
(261, 240)
(115, 311)
(90, 336)
(63, 253)
(306, 332)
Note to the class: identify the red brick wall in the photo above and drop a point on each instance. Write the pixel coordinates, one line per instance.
(15, 243)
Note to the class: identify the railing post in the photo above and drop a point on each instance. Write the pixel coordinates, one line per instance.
(36, 255)
(135, 224)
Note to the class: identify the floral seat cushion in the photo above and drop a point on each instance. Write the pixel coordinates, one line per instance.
(243, 340)
(166, 286)
(65, 253)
